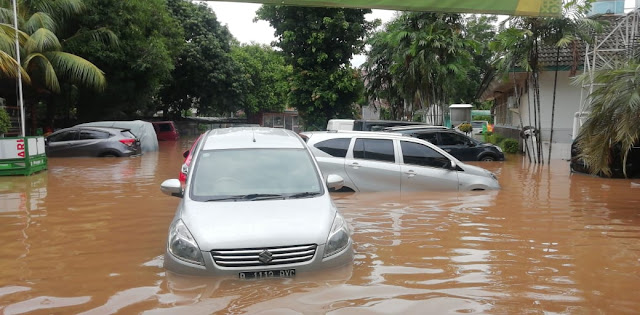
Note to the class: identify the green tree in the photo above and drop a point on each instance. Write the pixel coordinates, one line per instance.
(613, 121)
(149, 41)
(481, 29)
(380, 82)
(318, 43)
(45, 62)
(267, 78)
(205, 76)
(422, 59)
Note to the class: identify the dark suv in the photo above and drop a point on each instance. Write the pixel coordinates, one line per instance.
(460, 146)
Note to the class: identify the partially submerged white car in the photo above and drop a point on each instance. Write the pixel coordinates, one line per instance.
(255, 206)
(384, 161)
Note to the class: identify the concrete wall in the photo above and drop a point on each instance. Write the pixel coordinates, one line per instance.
(567, 104)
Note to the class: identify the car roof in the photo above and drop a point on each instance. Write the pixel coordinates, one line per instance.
(105, 129)
(412, 127)
(251, 138)
(352, 133)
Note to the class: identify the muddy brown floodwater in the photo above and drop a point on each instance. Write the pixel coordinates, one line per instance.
(87, 237)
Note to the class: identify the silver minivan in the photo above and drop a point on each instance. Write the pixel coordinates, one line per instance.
(381, 161)
(255, 206)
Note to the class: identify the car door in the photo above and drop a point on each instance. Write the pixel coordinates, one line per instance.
(90, 142)
(460, 146)
(424, 168)
(371, 165)
(61, 144)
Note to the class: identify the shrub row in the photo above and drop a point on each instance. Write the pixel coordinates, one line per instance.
(508, 145)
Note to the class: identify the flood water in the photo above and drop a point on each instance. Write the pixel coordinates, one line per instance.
(87, 237)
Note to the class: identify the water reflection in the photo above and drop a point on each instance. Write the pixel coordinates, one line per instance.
(87, 236)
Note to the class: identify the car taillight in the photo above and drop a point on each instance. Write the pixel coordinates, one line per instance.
(128, 142)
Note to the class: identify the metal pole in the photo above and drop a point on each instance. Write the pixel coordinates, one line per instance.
(20, 99)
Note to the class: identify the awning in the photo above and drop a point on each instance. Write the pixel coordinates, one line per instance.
(507, 7)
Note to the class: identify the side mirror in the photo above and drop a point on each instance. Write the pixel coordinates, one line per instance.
(185, 154)
(335, 181)
(172, 187)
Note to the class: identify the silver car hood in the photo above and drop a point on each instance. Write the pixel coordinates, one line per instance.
(474, 170)
(265, 223)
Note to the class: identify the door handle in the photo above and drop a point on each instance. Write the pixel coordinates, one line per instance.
(410, 173)
(355, 165)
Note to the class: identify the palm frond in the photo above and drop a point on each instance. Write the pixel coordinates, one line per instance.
(37, 21)
(617, 100)
(78, 69)
(10, 31)
(9, 68)
(6, 15)
(103, 35)
(43, 65)
(42, 40)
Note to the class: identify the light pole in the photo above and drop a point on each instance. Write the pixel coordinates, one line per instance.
(20, 99)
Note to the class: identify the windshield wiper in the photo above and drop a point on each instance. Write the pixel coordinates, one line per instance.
(249, 197)
(304, 194)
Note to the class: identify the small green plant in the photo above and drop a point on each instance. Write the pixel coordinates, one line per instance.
(203, 127)
(465, 127)
(5, 121)
(510, 145)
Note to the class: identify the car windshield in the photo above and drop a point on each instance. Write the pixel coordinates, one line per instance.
(254, 174)
(477, 124)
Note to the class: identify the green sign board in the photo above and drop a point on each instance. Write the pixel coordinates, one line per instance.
(508, 7)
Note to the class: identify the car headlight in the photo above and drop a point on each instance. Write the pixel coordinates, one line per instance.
(338, 237)
(182, 245)
(499, 148)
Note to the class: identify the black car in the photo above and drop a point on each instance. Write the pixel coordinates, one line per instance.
(460, 146)
(92, 141)
(577, 165)
(378, 125)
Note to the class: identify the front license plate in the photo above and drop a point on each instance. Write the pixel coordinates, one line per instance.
(285, 273)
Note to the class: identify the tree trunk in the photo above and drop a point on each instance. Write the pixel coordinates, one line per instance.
(553, 103)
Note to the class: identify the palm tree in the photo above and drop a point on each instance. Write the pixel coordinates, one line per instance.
(567, 31)
(517, 47)
(45, 62)
(615, 108)
(417, 59)
(519, 44)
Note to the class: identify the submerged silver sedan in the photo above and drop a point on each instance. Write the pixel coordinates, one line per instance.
(255, 206)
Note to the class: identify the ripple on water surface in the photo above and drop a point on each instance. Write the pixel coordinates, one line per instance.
(88, 235)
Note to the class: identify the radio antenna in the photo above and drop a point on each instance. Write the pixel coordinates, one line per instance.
(253, 132)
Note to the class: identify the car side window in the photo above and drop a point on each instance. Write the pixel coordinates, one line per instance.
(374, 149)
(419, 154)
(165, 127)
(453, 139)
(92, 134)
(335, 147)
(430, 137)
(63, 136)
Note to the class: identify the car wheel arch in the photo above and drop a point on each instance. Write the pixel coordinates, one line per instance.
(487, 157)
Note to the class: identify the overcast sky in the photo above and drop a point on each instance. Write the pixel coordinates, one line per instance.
(239, 18)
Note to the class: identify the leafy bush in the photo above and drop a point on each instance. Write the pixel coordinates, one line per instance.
(5, 121)
(510, 145)
(466, 128)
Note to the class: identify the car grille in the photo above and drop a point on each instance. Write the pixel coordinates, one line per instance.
(248, 257)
